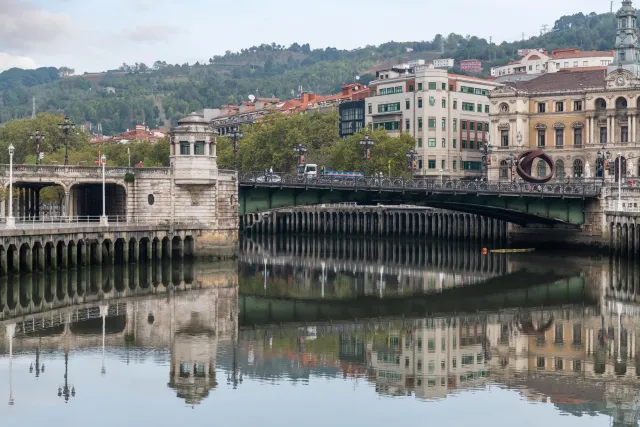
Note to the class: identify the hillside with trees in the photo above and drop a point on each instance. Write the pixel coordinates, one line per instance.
(158, 94)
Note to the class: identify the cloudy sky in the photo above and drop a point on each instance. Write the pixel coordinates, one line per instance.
(95, 35)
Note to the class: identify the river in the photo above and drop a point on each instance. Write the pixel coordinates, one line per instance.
(323, 331)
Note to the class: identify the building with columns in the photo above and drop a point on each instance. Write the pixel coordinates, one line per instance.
(576, 116)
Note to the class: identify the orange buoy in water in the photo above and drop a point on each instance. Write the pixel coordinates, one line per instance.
(484, 251)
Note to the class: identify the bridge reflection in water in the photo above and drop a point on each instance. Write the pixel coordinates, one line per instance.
(579, 350)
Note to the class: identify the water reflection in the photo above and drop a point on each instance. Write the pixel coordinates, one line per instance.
(449, 321)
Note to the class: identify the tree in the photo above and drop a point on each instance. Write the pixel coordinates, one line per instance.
(66, 71)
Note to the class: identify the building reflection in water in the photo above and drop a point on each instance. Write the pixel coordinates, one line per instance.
(581, 358)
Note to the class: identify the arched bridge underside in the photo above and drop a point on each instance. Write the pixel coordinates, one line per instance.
(547, 204)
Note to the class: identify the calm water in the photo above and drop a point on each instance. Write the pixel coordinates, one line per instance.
(319, 332)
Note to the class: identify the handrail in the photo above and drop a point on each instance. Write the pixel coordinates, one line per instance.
(376, 183)
(43, 221)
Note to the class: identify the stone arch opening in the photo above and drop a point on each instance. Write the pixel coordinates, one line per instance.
(61, 253)
(166, 247)
(13, 293)
(177, 247)
(81, 253)
(25, 257)
(189, 247)
(119, 251)
(94, 253)
(35, 201)
(621, 103)
(26, 288)
(13, 258)
(156, 248)
(86, 201)
(144, 249)
(560, 173)
(107, 250)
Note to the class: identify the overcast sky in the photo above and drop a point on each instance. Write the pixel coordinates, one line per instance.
(95, 35)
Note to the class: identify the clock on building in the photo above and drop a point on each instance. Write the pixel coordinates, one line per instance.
(620, 81)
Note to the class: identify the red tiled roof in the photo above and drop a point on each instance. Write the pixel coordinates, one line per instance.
(563, 80)
(575, 53)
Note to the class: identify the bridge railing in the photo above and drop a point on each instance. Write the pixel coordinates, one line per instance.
(52, 221)
(96, 171)
(395, 184)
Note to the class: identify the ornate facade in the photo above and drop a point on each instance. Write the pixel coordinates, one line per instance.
(576, 116)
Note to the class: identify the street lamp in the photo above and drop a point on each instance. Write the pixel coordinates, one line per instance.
(39, 367)
(66, 126)
(600, 165)
(487, 148)
(301, 149)
(619, 170)
(512, 162)
(412, 156)
(11, 221)
(103, 219)
(67, 390)
(38, 137)
(236, 134)
(367, 143)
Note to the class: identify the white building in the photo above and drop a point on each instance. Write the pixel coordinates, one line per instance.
(447, 114)
(538, 62)
(443, 63)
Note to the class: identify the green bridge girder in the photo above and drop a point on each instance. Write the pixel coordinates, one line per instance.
(259, 310)
(525, 209)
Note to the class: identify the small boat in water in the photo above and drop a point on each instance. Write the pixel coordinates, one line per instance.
(511, 251)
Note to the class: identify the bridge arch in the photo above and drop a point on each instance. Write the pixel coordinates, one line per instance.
(86, 200)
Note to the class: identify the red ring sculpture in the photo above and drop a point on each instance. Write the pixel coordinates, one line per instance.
(525, 163)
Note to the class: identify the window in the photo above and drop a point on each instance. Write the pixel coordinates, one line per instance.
(624, 134)
(575, 63)
(467, 359)
(455, 105)
(464, 143)
(387, 108)
(432, 165)
(390, 126)
(559, 364)
(541, 137)
(559, 333)
(420, 164)
(419, 122)
(560, 169)
(468, 106)
(443, 364)
(444, 123)
(451, 88)
(432, 123)
(471, 166)
(419, 365)
(431, 142)
(486, 127)
(444, 86)
(185, 148)
(577, 168)
(411, 88)
(431, 368)
(407, 124)
(419, 141)
(542, 169)
(455, 339)
(566, 64)
(444, 103)
(504, 170)
(370, 109)
(454, 362)
(603, 135)
(419, 343)
(198, 148)
(577, 334)
(542, 107)
(407, 104)
(504, 138)
(585, 63)
(577, 105)
(391, 90)
(471, 144)
(464, 124)
(577, 366)
(151, 199)
(479, 110)
(540, 362)
(444, 143)
(406, 362)
(455, 125)
(455, 165)
(419, 102)
(443, 166)
(559, 138)
(455, 143)
(419, 87)
(559, 107)
(472, 125)
(486, 109)
(432, 85)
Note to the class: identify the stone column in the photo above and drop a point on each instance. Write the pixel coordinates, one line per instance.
(84, 259)
(63, 256)
(181, 248)
(20, 204)
(125, 253)
(40, 255)
(99, 254)
(65, 205)
(133, 254)
(73, 256)
(609, 129)
(587, 130)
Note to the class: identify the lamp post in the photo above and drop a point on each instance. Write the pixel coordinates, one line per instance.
(487, 148)
(66, 126)
(300, 148)
(67, 390)
(412, 155)
(103, 219)
(512, 162)
(619, 170)
(11, 221)
(367, 143)
(39, 367)
(608, 157)
(600, 165)
(236, 134)
(38, 138)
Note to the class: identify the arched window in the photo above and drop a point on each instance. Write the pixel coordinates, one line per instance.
(542, 169)
(504, 170)
(601, 104)
(560, 174)
(578, 168)
(621, 102)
